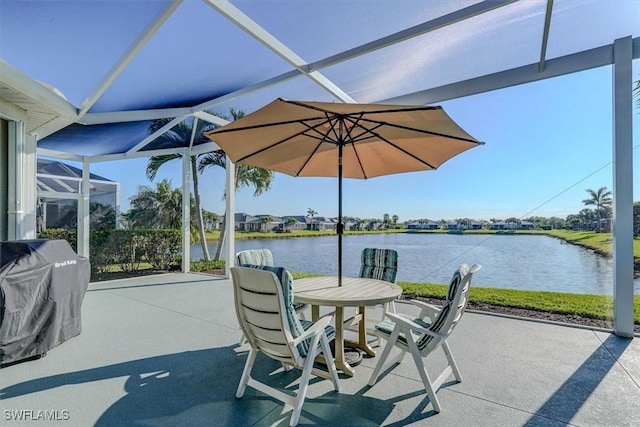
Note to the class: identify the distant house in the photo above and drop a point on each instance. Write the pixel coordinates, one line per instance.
(452, 225)
(475, 225)
(527, 225)
(429, 225)
(259, 225)
(245, 222)
(58, 185)
(299, 224)
(500, 225)
(512, 225)
(322, 223)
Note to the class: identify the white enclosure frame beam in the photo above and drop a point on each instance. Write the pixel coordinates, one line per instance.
(623, 187)
(144, 37)
(545, 35)
(582, 61)
(140, 145)
(236, 16)
(230, 199)
(230, 11)
(186, 212)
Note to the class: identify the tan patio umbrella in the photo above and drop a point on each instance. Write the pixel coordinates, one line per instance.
(343, 140)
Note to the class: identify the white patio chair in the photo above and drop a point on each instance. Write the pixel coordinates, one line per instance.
(421, 336)
(270, 324)
(261, 257)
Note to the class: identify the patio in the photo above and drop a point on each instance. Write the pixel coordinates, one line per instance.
(162, 350)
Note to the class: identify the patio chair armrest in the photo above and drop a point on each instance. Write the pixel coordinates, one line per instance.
(413, 326)
(316, 329)
(426, 308)
(406, 323)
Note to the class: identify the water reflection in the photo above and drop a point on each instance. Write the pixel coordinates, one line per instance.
(513, 261)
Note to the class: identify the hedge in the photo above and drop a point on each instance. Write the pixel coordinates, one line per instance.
(127, 249)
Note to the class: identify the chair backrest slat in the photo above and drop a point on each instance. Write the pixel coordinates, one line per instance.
(253, 297)
(260, 307)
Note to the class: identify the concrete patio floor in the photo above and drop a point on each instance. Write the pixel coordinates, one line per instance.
(162, 351)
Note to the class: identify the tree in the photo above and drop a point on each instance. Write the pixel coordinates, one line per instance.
(288, 223)
(264, 220)
(464, 223)
(601, 198)
(182, 134)
(586, 216)
(102, 217)
(386, 220)
(210, 219)
(260, 179)
(157, 208)
(395, 220)
(311, 213)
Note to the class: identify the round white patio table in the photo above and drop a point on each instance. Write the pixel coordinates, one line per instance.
(354, 292)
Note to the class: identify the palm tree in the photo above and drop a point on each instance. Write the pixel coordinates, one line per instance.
(288, 223)
(311, 213)
(601, 198)
(180, 135)
(246, 176)
(264, 220)
(260, 179)
(155, 208)
(395, 220)
(386, 220)
(210, 219)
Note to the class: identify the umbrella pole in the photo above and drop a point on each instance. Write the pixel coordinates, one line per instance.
(340, 226)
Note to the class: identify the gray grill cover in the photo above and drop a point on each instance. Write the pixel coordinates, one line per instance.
(42, 285)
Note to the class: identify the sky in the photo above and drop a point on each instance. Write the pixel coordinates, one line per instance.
(546, 143)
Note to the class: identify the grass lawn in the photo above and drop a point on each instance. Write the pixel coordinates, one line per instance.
(591, 306)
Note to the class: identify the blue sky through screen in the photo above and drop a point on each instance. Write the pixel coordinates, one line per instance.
(542, 139)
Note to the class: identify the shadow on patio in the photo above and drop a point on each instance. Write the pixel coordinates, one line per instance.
(164, 351)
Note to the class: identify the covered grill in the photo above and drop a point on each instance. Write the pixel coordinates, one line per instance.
(42, 285)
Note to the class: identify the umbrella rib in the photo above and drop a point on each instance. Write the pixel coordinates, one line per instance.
(424, 131)
(282, 141)
(224, 129)
(424, 162)
(321, 140)
(390, 110)
(357, 138)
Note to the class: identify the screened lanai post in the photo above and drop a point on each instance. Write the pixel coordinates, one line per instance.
(623, 187)
(230, 223)
(186, 212)
(29, 217)
(84, 215)
(21, 199)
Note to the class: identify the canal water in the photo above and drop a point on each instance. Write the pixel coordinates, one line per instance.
(524, 262)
